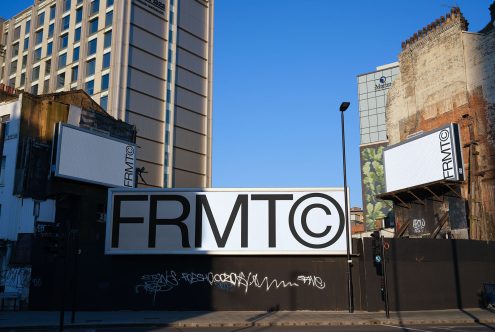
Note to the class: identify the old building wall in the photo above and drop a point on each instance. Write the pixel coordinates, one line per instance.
(479, 54)
(447, 75)
(432, 80)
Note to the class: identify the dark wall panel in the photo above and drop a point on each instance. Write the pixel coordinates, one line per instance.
(422, 273)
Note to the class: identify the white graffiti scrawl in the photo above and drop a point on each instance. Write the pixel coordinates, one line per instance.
(164, 282)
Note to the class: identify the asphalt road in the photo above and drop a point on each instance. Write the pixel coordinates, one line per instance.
(372, 328)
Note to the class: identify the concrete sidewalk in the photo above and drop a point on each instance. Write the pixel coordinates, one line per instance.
(41, 319)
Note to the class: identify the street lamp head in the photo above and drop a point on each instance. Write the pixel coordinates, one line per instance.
(344, 106)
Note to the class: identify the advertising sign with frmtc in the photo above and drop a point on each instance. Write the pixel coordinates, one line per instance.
(226, 221)
(427, 158)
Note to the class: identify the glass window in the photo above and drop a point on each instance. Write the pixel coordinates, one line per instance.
(90, 67)
(90, 87)
(23, 79)
(35, 74)
(37, 54)
(92, 46)
(52, 12)
(94, 7)
(60, 80)
(49, 48)
(24, 61)
(41, 19)
(106, 60)
(46, 85)
(104, 102)
(79, 2)
(93, 26)
(39, 37)
(34, 89)
(51, 28)
(62, 60)
(12, 82)
(104, 82)
(64, 41)
(75, 54)
(108, 19)
(26, 43)
(77, 35)
(66, 5)
(109, 3)
(74, 73)
(79, 15)
(107, 41)
(66, 22)
(13, 67)
(48, 66)
(15, 49)
(28, 26)
(17, 33)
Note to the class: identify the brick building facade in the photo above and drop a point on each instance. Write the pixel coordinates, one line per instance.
(447, 74)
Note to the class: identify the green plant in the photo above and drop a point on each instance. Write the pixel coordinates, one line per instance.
(373, 174)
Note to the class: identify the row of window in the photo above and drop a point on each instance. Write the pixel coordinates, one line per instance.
(64, 42)
(62, 63)
(40, 21)
(89, 86)
(64, 39)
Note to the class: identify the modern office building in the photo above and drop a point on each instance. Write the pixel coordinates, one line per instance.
(372, 95)
(147, 62)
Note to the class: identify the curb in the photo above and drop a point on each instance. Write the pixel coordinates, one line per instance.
(364, 322)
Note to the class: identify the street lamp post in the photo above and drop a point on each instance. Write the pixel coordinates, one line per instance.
(343, 107)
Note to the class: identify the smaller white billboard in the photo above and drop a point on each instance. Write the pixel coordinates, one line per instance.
(430, 157)
(87, 156)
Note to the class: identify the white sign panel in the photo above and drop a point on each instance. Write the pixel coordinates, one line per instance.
(226, 221)
(428, 158)
(85, 156)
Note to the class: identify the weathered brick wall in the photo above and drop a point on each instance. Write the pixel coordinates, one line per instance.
(432, 81)
(448, 75)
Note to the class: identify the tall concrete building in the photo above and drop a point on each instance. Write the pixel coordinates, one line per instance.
(147, 62)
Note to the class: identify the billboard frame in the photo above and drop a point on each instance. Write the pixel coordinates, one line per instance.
(57, 147)
(457, 157)
(319, 252)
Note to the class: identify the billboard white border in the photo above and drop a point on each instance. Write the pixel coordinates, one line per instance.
(317, 252)
(457, 157)
(56, 153)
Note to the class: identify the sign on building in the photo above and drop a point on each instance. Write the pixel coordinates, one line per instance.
(226, 221)
(88, 156)
(427, 158)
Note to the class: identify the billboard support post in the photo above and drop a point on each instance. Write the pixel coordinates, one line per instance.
(343, 107)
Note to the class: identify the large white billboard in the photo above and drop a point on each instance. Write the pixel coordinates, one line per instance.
(226, 221)
(430, 157)
(87, 156)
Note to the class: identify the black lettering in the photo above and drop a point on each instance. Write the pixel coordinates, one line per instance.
(154, 221)
(292, 227)
(447, 164)
(117, 219)
(240, 203)
(272, 199)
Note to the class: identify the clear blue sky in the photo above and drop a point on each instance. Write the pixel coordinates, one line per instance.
(281, 70)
